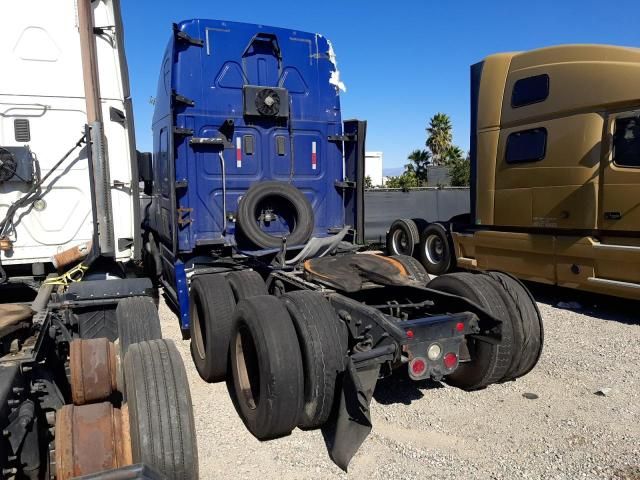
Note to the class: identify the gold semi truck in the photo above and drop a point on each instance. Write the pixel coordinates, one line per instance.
(555, 173)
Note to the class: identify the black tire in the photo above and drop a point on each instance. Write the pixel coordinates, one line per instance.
(414, 268)
(283, 199)
(211, 306)
(402, 237)
(138, 321)
(322, 339)
(436, 251)
(246, 284)
(266, 382)
(527, 323)
(489, 361)
(163, 432)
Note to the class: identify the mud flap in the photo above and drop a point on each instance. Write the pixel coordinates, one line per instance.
(351, 425)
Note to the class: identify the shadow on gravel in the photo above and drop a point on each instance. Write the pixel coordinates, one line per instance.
(603, 307)
(399, 388)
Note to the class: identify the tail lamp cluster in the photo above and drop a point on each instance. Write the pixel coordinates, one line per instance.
(436, 360)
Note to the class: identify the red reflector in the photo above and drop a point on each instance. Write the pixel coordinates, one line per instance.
(409, 333)
(450, 360)
(460, 326)
(418, 366)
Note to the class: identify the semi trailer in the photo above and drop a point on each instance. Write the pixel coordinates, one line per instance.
(87, 385)
(255, 229)
(555, 173)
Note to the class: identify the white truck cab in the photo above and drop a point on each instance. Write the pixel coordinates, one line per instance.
(43, 114)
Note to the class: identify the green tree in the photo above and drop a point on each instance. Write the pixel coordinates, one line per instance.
(405, 181)
(420, 160)
(368, 183)
(439, 137)
(459, 167)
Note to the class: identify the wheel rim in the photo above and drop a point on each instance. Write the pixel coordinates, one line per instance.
(434, 249)
(199, 330)
(400, 242)
(247, 369)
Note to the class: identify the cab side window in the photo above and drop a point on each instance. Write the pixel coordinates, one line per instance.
(530, 90)
(626, 142)
(526, 146)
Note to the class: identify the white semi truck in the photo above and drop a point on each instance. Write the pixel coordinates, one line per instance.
(87, 384)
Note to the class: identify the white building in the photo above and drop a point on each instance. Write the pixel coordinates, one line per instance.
(373, 167)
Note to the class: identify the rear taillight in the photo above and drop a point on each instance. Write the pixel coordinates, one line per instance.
(450, 360)
(418, 366)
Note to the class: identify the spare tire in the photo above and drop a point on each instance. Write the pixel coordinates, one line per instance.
(266, 202)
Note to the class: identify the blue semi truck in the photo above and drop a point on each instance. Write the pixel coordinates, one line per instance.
(255, 230)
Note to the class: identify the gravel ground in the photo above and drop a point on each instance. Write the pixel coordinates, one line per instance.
(429, 430)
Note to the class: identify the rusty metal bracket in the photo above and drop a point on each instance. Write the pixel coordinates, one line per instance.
(183, 213)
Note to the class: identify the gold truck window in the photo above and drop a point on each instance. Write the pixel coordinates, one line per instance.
(530, 90)
(626, 142)
(526, 146)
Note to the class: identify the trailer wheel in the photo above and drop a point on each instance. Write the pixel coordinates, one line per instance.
(527, 323)
(402, 238)
(489, 361)
(323, 344)
(278, 200)
(266, 382)
(414, 268)
(436, 251)
(211, 306)
(161, 421)
(246, 284)
(138, 321)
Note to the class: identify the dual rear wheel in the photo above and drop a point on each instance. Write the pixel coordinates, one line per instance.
(281, 357)
(492, 360)
(431, 244)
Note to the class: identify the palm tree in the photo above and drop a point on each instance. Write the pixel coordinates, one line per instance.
(439, 136)
(453, 153)
(420, 160)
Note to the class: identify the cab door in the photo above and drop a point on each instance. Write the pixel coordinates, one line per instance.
(620, 178)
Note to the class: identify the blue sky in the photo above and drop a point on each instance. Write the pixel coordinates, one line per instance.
(401, 61)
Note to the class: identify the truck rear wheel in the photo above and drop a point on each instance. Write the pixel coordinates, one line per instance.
(161, 422)
(528, 325)
(436, 251)
(403, 237)
(489, 360)
(138, 321)
(246, 284)
(266, 382)
(323, 345)
(211, 309)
